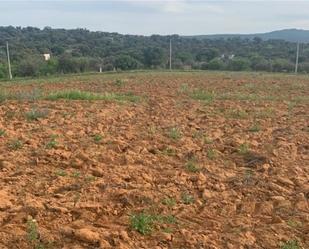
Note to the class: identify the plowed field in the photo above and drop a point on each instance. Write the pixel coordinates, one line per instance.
(155, 160)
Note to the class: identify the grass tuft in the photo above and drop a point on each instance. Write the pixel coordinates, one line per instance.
(174, 133)
(203, 95)
(83, 95)
(291, 244)
(143, 223)
(15, 144)
(36, 114)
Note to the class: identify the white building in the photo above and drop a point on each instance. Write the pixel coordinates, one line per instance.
(46, 57)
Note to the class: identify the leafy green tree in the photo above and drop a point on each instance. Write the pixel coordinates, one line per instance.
(282, 65)
(239, 64)
(29, 67)
(126, 62)
(3, 71)
(154, 57)
(216, 64)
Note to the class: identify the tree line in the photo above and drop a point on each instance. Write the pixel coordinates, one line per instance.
(80, 50)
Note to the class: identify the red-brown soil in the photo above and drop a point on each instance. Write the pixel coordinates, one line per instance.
(249, 187)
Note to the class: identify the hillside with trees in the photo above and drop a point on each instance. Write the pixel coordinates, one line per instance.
(80, 50)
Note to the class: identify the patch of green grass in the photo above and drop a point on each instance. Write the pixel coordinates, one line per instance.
(97, 138)
(238, 114)
(291, 244)
(76, 174)
(255, 128)
(169, 219)
(118, 82)
(142, 222)
(203, 95)
(36, 114)
(266, 113)
(187, 198)
(2, 132)
(83, 95)
(174, 133)
(243, 149)
(52, 143)
(294, 223)
(184, 88)
(90, 178)
(15, 144)
(169, 152)
(33, 235)
(170, 202)
(61, 173)
(192, 166)
(211, 154)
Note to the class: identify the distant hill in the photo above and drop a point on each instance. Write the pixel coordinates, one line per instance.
(291, 35)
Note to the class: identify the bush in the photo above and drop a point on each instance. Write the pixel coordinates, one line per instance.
(3, 71)
(28, 68)
(282, 65)
(126, 62)
(216, 64)
(239, 64)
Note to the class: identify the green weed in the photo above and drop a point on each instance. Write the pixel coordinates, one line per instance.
(97, 138)
(291, 244)
(143, 223)
(243, 149)
(211, 154)
(15, 144)
(35, 114)
(187, 198)
(2, 132)
(192, 166)
(61, 173)
(52, 143)
(203, 96)
(170, 202)
(82, 95)
(174, 133)
(33, 235)
(254, 128)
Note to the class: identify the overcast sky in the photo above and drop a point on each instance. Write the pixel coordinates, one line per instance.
(145, 17)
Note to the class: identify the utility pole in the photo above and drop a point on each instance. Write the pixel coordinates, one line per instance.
(9, 62)
(297, 59)
(171, 54)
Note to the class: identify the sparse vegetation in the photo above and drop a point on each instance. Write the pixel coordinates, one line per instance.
(82, 95)
(211, 154)
(35, 114)
(33, 235)
(143, 223)
(291, 244)
(174, 133)
(243, 149)
(61, 173)
(203, 95)
(255, 128)
(2, 132)
(192, 166)
(187, 198)
(169, 152)
(97, 138)
(170, 202)
(15, 144)
(52, 143)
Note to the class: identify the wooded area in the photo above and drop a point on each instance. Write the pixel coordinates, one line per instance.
(80, 50)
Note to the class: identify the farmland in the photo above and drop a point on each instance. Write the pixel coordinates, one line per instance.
(155, 160)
